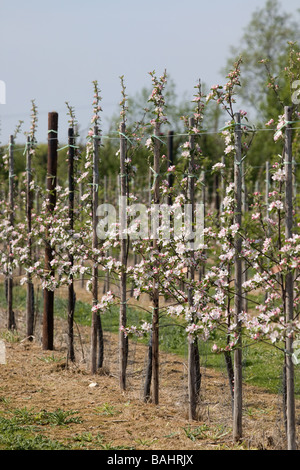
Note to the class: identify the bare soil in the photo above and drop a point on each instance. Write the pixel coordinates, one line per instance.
(43, 380)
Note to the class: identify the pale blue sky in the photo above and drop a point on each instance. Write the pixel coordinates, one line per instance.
(52, 51)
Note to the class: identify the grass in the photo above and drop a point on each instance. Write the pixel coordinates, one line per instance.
(204, 431)
(20, 429)
(24, 429)
(13, 437)
(107, 410)
(24, 416)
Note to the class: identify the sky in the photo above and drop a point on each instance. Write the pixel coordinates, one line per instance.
(51, 52)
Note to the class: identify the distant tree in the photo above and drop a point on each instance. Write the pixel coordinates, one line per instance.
(266, 48)
(266, 37)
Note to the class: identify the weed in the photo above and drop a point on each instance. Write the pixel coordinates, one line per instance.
(107, 410)
(10, 336)
(52, 358)
(218, 432)
(172, 434)
(145, 442)
(16, 437)
(62, 418)
(205, 432)
(84, 437)
(196, 433)
(112, 446)
(5, 400)
(87, 440)
(55, 418)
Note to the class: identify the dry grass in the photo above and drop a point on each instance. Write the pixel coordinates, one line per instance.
(42, 380)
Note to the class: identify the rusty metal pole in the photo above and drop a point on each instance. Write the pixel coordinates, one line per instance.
(48, 315)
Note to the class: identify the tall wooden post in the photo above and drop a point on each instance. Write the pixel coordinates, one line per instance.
(238, 303)
(11, 318)
(48, 316)
(155, 316)
(289, 285)
(30, 289)
(71, 292)
(123, 297)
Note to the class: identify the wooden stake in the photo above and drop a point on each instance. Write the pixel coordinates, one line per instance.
(267, 188)
(123, 279)
(289, 285)
(30, 289)
(223, 183)
(227, 354)
(191, 275)
(11, 318)
(48, 316)
(238, 303)
(96, 319)
(106, 284)
(155, 316)
(170, 154)
(244, 262)
(71, 292)
(203, 202)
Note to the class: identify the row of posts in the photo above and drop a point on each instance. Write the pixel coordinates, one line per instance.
(48, 315)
